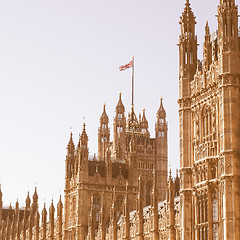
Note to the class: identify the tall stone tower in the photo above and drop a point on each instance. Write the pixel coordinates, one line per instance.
(209, 116)
(187, 69)
(95, 187)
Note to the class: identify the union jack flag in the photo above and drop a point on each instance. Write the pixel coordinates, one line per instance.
(124, 67)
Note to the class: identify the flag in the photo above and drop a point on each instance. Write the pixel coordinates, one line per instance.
(124, 67)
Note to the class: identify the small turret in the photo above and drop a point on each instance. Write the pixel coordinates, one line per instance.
(177, 184)
(28, 202)
(51, 221)
(207, 49)
(144, 123)
(103, 135)
(70, 158)
(161, 124)
(44, 222)
(35, 201)
(119, 129)
(84, 143)
(60, 218)
(132, 122)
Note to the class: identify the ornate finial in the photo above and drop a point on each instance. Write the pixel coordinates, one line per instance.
(161, 99)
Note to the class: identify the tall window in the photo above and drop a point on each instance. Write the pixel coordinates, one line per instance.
(148, 193)
(206, 121)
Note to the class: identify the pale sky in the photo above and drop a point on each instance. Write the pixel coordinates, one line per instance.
(59, 62)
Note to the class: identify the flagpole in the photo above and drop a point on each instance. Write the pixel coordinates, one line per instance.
(132, 82)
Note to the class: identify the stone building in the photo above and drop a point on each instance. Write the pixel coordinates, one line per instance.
(209, 116)
(123, 193)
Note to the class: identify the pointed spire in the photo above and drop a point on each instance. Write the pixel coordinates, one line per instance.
(133, 124)
(71, 146)
(35, 196)
(84, 137)
(207, 30)
(28, 201)
(120, 103)
(104, 116)
(144, 123)
(17, 205)
(188, 13)
(60, 205)
(84, 133)
(161, 113)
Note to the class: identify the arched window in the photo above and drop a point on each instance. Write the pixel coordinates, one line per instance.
(148, 193)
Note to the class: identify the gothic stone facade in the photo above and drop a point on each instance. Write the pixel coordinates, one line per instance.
(209, 116)
(102, 191)
(120, 194)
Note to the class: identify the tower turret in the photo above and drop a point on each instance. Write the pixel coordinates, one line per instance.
(187, 44)
(70, 158)
(35, 201)
(207, 49)
(228, 44)
(161, 133)
(119, 129)
(28, 202)
(103, 135)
